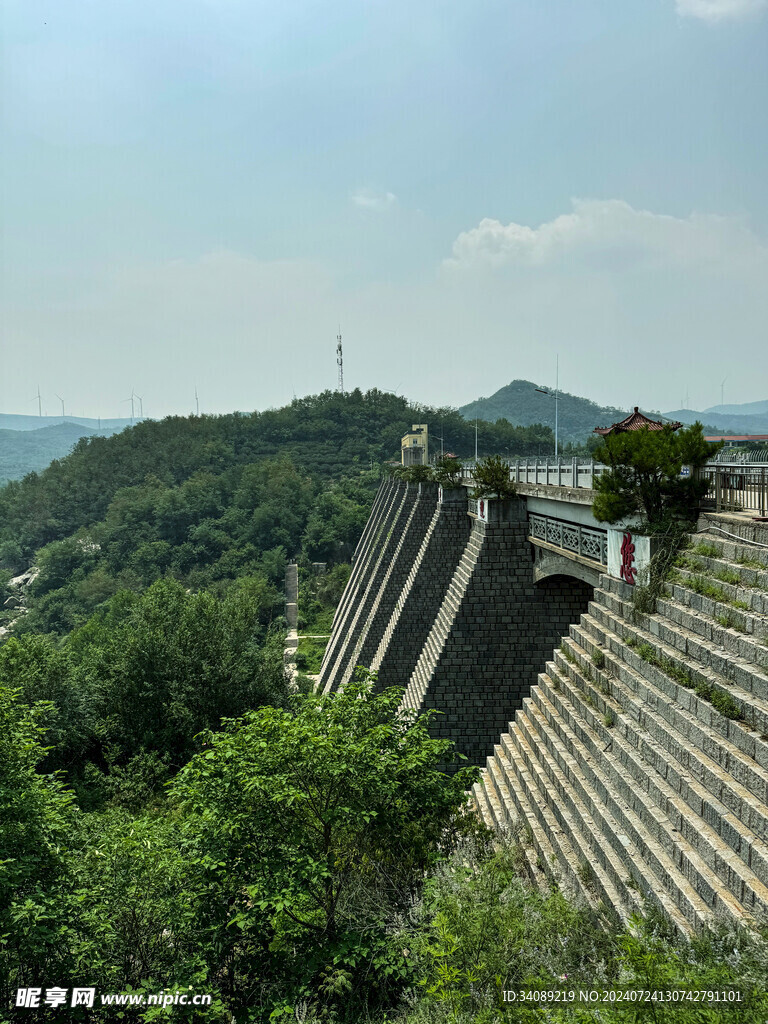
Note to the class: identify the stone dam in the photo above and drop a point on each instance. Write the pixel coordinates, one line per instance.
(629, 749)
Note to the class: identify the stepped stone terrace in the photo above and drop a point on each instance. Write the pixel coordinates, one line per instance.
(628, 748)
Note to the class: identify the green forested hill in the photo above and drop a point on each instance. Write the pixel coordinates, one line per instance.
(326, 436)
(522, 405)
(206, 500)
(28, 451)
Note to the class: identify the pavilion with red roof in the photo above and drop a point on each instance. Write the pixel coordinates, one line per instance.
(635, 421)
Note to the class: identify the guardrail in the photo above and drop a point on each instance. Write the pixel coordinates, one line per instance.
(741, 456)
(734, 487)
(582, 540)
(738, 487)
(555, 472)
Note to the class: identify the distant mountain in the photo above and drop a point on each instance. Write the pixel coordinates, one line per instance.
(745, 409)
(522, 405)
(724, 423)
(28, 450)
(13, 421)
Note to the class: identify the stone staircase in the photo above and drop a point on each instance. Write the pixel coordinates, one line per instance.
(399, 575)
(362, 552)
(339, 669)
(422, 592)
(387, 581)
(367, 557)
(638, 765)
(449, 609)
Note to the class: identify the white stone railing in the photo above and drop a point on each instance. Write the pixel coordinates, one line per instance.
(553, 472)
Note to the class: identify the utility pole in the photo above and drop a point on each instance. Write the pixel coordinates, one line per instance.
(475, 440)
(557, 400)
(556, 397)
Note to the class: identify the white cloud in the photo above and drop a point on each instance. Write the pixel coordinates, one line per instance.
(608, 235)
(368, 199)
(639, 306)
(719, 10)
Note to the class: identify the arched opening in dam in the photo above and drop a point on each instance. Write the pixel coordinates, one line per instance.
(562, 599)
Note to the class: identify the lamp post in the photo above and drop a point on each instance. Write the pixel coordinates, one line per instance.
(556, 397)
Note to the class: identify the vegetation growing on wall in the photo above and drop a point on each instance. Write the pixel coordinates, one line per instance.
(491, 476)
(448, 471)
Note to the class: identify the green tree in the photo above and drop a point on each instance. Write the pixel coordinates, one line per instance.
(334, 526)
(644, 474)
(35, 822)
(417, 474)
(448, 471)
(491, 476)
(160, 668)
(40, 670)
(314, 827)
(137, 924)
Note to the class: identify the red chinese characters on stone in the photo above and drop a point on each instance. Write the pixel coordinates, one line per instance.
(482, 509)
(628, 570)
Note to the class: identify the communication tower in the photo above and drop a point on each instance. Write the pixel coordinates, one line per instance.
(340, 361)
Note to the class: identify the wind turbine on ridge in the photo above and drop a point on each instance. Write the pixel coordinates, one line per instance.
(131, 400)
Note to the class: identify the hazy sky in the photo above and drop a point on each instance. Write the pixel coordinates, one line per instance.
(197, 192)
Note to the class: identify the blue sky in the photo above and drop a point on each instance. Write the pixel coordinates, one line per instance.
(198, 192)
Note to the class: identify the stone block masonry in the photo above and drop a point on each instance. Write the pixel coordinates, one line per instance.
(362, 550)
(423, 502)
(640, 758)
(493, 631)
(292, 595)
(414, 607)
(381, 580)
(378, 557)
(365, 558)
